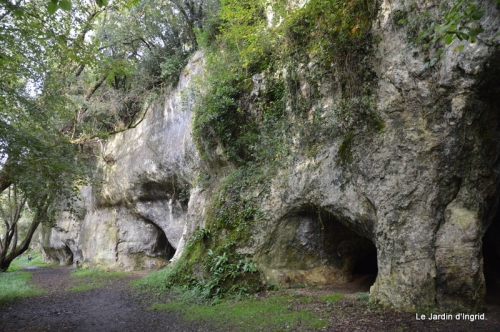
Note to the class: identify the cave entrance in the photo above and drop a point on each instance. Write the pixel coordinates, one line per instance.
(61, 255)
(355, 254)
(159, 245)
(366, 268)
(491, 260)
(488, 93)
(311, 246)
(162, 246)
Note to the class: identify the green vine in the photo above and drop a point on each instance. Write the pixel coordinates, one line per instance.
(460, 21)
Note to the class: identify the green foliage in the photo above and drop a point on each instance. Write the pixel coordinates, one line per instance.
(226, 274)
(171, 66)
(330, 29)
(201, 235)
(261, 104)
(221, 121)
(251, 123)
(101, 3)
(222, 117)
(223, 269)
(40, 166)
(184, 195)
(242, 27)
(458, 20)
(231, 208)
(15, 285)
(69, 76)
(160, 281)
(54, 5)
(211, 268)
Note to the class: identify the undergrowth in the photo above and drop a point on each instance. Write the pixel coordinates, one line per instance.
(222, 274)
(211, 267)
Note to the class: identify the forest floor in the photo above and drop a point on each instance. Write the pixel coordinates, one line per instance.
(111, 304)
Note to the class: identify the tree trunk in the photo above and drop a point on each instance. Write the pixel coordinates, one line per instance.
(5, 182)
(4, 265)
(6, 258)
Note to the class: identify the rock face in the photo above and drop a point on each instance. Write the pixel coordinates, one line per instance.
(135, 219)
(411, 202)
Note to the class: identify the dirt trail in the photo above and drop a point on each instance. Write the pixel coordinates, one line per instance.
(109, 308)
(113, 308)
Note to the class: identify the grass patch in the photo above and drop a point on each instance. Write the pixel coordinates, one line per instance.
(97, 274)
(332, 298)
(15, 265)
(155, 281)
(21, 261)
(275, 313)
(15, 285)
(37, 261)
(306, 299)
(85, 287)
(87, 279)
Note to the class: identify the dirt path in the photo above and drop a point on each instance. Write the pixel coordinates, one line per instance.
(109, 308)
(112, 307)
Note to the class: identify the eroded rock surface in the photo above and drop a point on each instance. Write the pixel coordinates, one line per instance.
(414, 197)
(136, 218)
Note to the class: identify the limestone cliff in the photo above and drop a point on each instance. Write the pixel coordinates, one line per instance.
(403, 180)
(136, 218)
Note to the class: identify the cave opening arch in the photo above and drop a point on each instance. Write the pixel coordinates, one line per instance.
(311, 246)
(488, 89)
(491, 260)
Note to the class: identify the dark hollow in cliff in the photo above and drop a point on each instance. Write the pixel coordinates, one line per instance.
(491, 259)
(488, 91)
(366, 267)
(161, 246)
(311, 246)
(62, 255)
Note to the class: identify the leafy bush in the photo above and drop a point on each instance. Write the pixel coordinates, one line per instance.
(222, 271)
